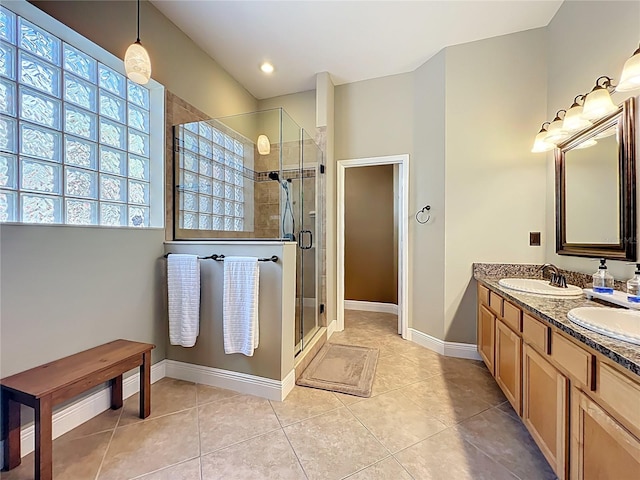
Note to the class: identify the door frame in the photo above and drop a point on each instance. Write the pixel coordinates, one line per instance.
(402, 160)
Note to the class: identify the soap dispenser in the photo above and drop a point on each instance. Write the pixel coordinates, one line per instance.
(633, 286)
(602, 280)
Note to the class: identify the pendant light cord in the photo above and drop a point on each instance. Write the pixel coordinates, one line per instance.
(138, 40)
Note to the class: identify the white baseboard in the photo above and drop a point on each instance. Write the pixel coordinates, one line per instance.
(70, 417)
(288, 383)
(371, 306)
(236, 381)
(331, 328)
(450, 349)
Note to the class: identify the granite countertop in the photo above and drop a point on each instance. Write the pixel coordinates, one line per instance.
(554, 311)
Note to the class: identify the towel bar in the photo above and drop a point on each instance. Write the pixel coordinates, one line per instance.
(220, 258)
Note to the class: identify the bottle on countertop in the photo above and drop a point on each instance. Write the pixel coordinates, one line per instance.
(602, 280)
(633, 286)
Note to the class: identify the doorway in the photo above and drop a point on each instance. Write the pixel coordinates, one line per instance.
(400, 164)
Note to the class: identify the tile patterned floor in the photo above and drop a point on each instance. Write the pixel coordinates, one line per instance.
(430, 417)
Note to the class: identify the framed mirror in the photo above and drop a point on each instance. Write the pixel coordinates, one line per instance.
(596, 189)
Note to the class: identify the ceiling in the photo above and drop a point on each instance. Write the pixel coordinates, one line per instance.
(352, 40)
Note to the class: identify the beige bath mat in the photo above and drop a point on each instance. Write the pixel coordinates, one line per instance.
(342, 368)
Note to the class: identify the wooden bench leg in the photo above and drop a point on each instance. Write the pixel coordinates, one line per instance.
(10, 426)
(44, 440)
(145, 385)
(116, 393)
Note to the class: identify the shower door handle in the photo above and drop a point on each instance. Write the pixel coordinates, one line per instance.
(300, 244)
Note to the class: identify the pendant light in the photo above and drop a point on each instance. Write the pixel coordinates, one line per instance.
(556, 133)
(539, 144)
(264, 145)
(630, 78)
(573, 120)
(598, 102)
(136, 61)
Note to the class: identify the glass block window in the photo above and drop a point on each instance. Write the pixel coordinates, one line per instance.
(212, 178)
(74, 134)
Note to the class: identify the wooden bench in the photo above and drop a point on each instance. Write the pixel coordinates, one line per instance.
(47, 385)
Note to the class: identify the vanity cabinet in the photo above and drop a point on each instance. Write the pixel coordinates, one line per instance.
(486, 335)
(545, 406)
(581, 408)
(600, 447)
(508, 364)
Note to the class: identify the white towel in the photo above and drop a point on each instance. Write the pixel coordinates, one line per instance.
(240, 305)
(183, 282)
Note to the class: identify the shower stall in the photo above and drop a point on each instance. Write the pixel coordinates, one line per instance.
(251, 177)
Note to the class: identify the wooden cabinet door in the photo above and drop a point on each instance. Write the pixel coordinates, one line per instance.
(600, 447)
(486, 335)
(545, 408)
(508, 364)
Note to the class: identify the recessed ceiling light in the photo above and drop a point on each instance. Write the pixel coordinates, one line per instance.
(266, 67)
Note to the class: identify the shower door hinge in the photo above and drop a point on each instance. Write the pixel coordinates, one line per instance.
(321, 168)
(322, 308)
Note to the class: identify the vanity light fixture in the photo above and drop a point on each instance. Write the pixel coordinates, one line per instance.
(598, 102)
(540, 145)
(556, 133)
(630, 78)
(264, 145)
(136, 61)
(573, 119)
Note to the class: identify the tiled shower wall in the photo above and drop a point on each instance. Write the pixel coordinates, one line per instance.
(267, 195)
(177, 111)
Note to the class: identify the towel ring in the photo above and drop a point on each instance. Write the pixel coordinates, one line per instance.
(420, 214)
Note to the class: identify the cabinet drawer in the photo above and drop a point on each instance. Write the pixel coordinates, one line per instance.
(512, 316)
(578, 363)
(483, 294)
(621, 394)
(536, 333)
(495, 302)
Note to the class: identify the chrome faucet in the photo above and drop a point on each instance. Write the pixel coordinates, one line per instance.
(557, 279)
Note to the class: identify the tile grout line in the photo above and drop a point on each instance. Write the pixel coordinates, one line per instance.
(370, 433)
(198, 427)
(391, 455)
(295, 454)
(240, 441)
(142, 475)
(113, 433)
(365, 467)
(497, 460)
(315, 415)
(490, 457)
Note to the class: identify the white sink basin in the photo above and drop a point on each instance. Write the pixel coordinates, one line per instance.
(539, 287)
(612, 322)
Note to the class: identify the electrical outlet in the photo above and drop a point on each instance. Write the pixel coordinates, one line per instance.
(534, 239)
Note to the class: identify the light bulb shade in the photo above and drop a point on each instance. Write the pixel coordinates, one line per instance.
(137, 63)
(589, 143)
(630, 78)
(264, 145)
(540, 145)
(556, 133)
(598, 104)
(574, 121)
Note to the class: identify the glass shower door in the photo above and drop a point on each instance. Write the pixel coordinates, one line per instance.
(308, 237)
